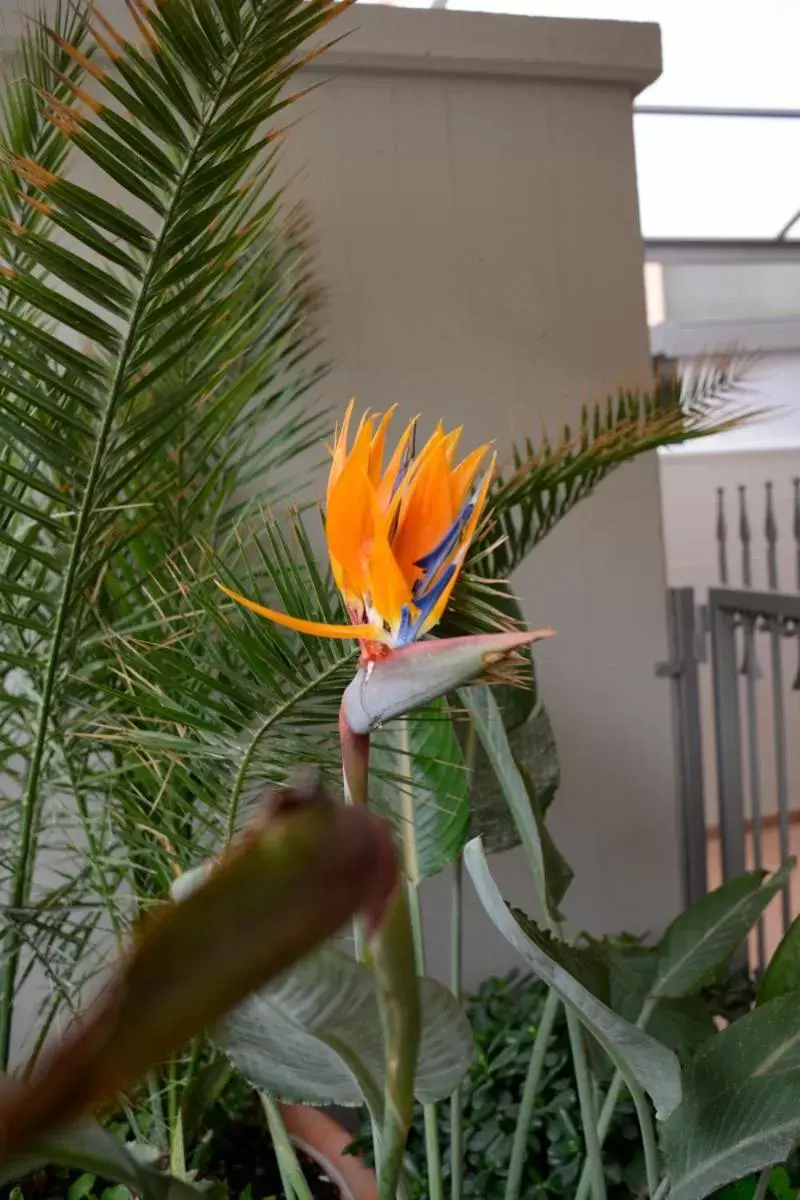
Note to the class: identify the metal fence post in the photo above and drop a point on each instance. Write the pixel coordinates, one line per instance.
(682, 670)
(728, 738)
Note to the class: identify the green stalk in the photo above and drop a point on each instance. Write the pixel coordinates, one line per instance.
(401, 1019)
(433, 1154)
(355, 778)
(177, 1152)
(292, 1178)
(662, 1191)
(398, 990)
(763, 1184)
(612, 1099)
(583, 1080)
(520, 1145)
(161, 1136)
(456, 947)
(645, 1119)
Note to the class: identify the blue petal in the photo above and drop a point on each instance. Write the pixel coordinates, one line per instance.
(410, 630)
(432, 561)
(406, 632)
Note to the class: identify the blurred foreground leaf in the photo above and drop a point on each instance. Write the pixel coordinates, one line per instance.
(297, 874)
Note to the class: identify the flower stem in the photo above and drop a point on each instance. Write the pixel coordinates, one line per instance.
(456, 1115)
(292, 1177)
(645, 1119)
(520, 1145)
(586, 1101)
(393, 958)
(398, 1003)
(612, 1098)
(432, 1149)
(355, 777)
(763, 1184)
(433, 1153)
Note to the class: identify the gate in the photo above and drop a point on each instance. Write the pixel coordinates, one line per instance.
(735, 670)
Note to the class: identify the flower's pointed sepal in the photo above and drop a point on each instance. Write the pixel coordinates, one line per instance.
(414, 675)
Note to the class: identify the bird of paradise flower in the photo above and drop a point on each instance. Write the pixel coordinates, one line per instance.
(398, 534)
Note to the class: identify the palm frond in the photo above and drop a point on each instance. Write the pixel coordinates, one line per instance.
(210, 703)
(140, 352)
(25, 131)
(545, 482)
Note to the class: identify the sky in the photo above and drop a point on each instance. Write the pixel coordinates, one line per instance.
(707, 177)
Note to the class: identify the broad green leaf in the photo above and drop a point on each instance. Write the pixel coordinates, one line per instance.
(741, 1105)
(783, 972)
(314, 1037)
(583, 963)
(534, 750)
(654, 1067)
(418, 777)
(684, 1025)
(700, 940)
(551, 874)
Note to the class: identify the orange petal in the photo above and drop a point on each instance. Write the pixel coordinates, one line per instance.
(426, 511)
(376, 449)
(340, 448)
(363, 441)
(451, 441)
(463, 475)
(372, 633)
(348, 526)
(388, 588)
(386, 486)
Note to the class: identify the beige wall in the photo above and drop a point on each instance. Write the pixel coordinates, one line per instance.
(478, 237)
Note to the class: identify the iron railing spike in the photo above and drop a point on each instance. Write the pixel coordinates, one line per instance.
(722, 537)
(745, 537)
(771, 534)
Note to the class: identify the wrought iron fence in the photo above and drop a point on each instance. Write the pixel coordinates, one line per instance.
(740, 650)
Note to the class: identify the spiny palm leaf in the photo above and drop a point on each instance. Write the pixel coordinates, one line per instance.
(210, 703)
(547, 481)
(184, 128)
(25, 131)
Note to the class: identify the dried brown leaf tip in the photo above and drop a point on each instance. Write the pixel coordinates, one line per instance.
(45, 209)
(32, 173)
(77, 55)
